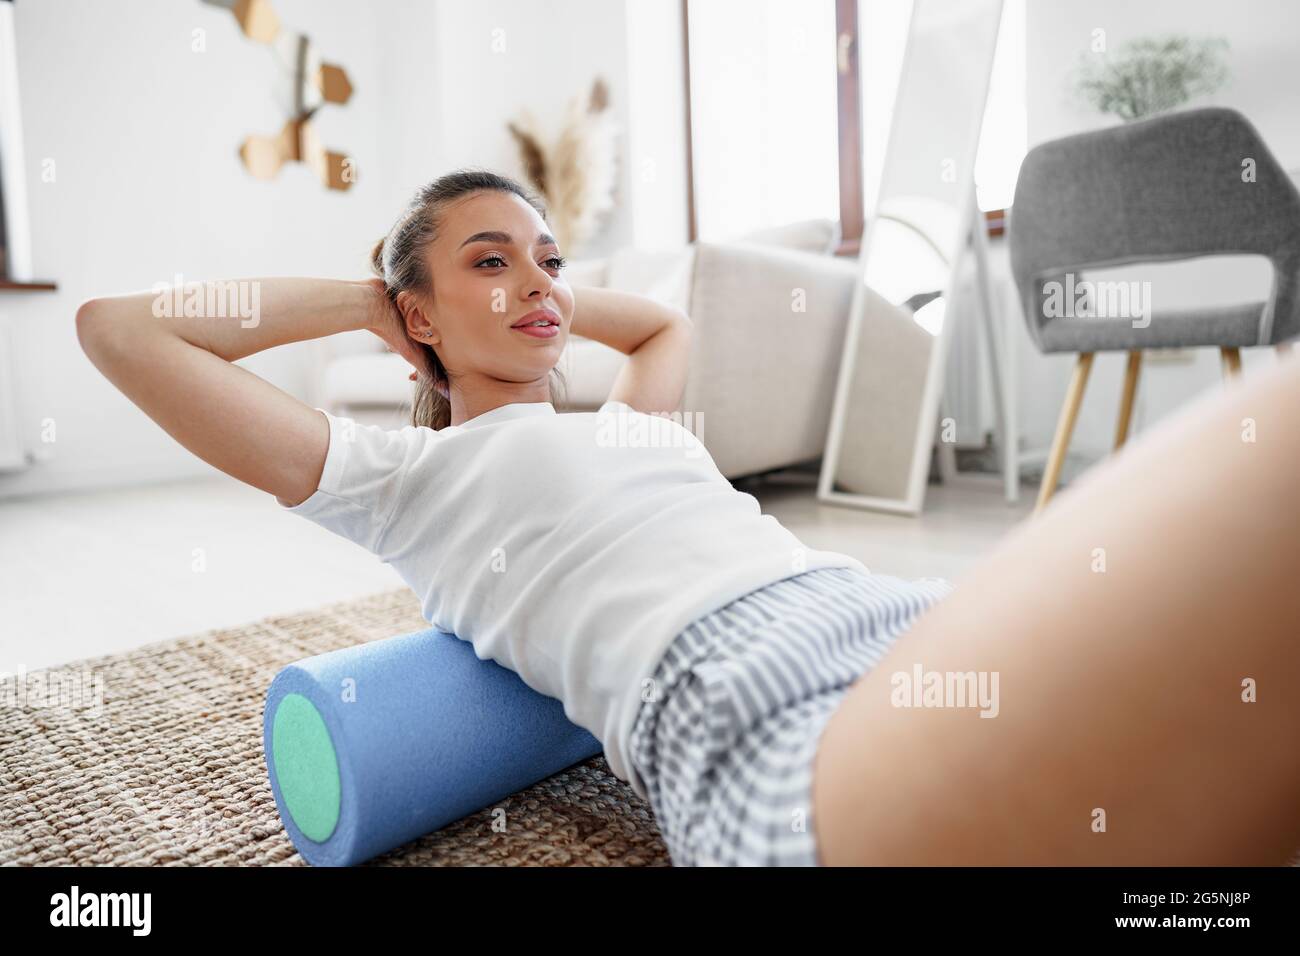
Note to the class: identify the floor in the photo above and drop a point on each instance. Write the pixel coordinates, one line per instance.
(102, 572)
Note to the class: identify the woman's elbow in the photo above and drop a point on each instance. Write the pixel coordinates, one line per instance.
(89, 318)
(681, 322)
(99, 329)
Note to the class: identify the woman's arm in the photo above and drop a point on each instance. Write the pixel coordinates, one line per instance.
(179, 371)
(655, 337)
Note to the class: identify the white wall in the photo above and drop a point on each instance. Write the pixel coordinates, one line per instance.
(656, 105)
(144, 134)
(495, 57)
(1264, 85)
(763, 102)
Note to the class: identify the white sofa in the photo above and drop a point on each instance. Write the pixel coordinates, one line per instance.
(769, 314)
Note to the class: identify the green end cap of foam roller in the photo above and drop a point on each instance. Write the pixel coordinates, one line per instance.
(306, 767)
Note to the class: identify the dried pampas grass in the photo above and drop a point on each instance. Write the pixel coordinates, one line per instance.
(576, 173)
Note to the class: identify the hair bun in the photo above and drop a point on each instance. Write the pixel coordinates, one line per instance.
(377, 258)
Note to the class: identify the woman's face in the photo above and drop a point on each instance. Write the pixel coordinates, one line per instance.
(494, 267)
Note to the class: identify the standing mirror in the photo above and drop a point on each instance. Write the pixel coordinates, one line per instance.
(887, 396)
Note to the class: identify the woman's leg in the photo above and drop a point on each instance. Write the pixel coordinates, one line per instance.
(1124, 625)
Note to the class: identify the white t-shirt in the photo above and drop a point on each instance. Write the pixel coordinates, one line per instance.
(571, 548)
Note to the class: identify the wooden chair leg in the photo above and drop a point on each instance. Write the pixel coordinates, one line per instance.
(1126, 399)
(1064, 428)
(1231, 361)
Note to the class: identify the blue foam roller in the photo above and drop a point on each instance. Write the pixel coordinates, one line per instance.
(372, 746)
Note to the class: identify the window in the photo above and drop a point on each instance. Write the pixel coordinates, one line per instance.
(791, 102)
(763, 114)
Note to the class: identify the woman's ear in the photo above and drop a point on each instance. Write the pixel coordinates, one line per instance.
(417, 324)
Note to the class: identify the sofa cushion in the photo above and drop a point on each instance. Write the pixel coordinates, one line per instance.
(809, 235)
(589, 369)
(588, 272)
(662, 275)
(353, 342)
(368, 379)
(380, 381)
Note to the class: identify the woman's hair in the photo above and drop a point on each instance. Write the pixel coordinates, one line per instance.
(399, 259)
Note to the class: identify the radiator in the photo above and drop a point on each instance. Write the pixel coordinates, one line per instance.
(12, 455)
(966, 396)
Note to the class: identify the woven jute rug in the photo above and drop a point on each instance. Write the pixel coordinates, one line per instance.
(166, 768)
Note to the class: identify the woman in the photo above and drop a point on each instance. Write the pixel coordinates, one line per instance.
(746, 686)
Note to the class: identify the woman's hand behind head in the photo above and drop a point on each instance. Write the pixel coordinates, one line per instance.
(386, 322)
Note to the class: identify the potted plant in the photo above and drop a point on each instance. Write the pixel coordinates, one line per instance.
(1152, 75)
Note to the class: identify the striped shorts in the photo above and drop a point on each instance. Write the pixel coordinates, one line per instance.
(726, 743)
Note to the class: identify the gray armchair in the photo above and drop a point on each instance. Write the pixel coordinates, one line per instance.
(1193, 183)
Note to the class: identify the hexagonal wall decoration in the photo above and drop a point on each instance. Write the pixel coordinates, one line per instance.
(314, 83)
